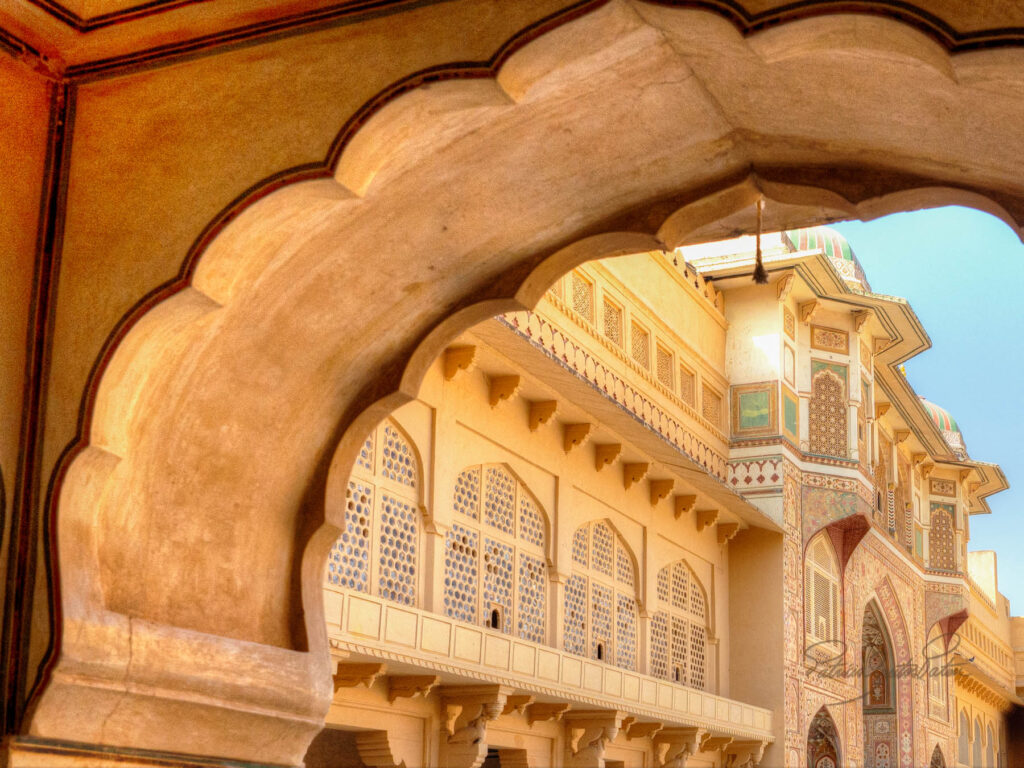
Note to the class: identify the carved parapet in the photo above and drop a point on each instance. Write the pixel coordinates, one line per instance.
(589, 734)
(673, 746)
(410, 686)
(351, 675)
(541, 412)
(744, 754)
(606, 454)
(458, 359)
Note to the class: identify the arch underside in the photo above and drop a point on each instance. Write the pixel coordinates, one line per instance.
(319, 308)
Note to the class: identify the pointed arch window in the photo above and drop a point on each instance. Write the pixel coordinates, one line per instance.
(827, 415)
(990, 748)
(378, 549)
(600, 597)
(963, 740)
(679, 628)
(821, 595)
(977, 743)
(937, 761)
(876, 662)
(495, 567)
(822, 741)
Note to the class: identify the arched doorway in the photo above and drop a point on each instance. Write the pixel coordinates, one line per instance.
(881, 746)
(937, 761)
(823, 742)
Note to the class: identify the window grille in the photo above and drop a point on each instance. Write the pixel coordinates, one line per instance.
(711, 406)
(827, 415)
(681, 619)
(821, 593)
(640, 346)
(613, 323)
(665, 366)
(687, 386)
(583, 296)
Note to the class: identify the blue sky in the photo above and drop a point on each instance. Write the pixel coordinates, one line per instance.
(963, 273)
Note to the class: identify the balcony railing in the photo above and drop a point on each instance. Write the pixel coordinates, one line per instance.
(369, 626)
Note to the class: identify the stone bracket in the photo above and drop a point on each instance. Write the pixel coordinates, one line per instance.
(706, 517)
(711, 743)
(536, 713)
(643, 730)
(575, 435)
(860, 317)
(684, 504)
(660, 489)
(410, 686)
(502, 388)
(471, 706)
(784, 285)
(744, 754)
(605, 454)
(589, 734)
(808, 309)
(726, 531)
(517, 703)
(634, 473)
(541, 412)
(458, 359)
(351, 675)
(673, 746)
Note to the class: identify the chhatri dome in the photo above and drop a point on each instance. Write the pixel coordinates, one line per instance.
(836, 247)
(947, 425)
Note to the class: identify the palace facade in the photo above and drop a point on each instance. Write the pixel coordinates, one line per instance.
(671, 517)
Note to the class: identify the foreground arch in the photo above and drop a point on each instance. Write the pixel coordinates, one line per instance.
(194, 524)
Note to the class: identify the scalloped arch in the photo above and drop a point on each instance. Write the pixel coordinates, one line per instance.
(314, 308)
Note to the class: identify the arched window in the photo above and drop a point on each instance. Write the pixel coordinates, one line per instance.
(600, 597)
(379, 544)
(977, 743)
(876, 659)
(829, 435)
(964, 740)
(495, 564)
(936, 658)
(822, 741)
(941, 538)
(990, 748)
(679, 628)
(821, 593)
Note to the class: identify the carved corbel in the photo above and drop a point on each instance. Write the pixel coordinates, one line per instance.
(726, 531)
(972, 488)
(706, 517)
(926, 469)
(660, 489)
(712, 743)
(674, 746)
(901, 435)
(634, 473)
(606, 454)
(502, 388)
(351, 675)
(964, 474)
(643, 730)
(916, 459)
(880, 343)
(466, 710)
(744, 754)
(881, 409)
(410, 686)
(784, 285)
(536, 713)
(808, 309)
(457, 359)
(684, 504)
(541, 412)
(517, 703)
(860, 317)
(589, 734)
(575, 435)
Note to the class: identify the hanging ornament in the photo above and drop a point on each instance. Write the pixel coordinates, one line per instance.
(760, 275)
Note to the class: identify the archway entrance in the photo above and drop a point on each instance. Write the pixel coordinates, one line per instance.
(879, 706)
(937, 761)
(206, 436)
(823, 742)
